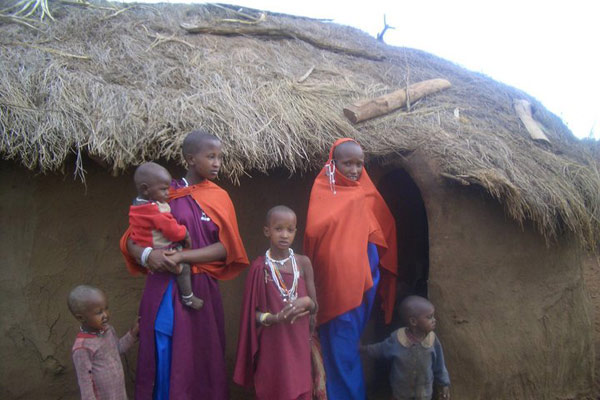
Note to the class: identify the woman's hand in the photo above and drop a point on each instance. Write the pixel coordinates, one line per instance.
(160, 260)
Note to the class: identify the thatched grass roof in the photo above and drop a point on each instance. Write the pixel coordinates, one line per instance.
(126, 86)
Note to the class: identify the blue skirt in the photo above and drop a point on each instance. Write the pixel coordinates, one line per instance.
(340, 339)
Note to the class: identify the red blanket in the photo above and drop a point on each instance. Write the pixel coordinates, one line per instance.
(338, 228)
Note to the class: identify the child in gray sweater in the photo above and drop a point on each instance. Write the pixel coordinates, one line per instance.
(416, 353)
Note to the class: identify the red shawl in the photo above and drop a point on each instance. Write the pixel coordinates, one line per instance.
(217, 205)
(338, 228)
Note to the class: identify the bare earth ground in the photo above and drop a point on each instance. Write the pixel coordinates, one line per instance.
(592, 283)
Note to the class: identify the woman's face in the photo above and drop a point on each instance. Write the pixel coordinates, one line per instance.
(349, 160)
(206, 163)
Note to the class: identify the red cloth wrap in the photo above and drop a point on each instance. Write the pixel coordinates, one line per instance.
(275, 360)
(217, 205)
(146, 218)
(338, 228)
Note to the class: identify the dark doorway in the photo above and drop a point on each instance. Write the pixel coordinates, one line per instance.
(405, 202)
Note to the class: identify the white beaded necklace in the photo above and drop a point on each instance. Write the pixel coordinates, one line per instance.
(291, 294)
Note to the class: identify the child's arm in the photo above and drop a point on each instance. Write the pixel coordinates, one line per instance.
(288, 314)
(82, 359)
(440, 373)
(381, 349)
(130, 337)
(170, 228)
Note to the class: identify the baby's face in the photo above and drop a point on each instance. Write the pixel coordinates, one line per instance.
(349, 160)
(158, 188)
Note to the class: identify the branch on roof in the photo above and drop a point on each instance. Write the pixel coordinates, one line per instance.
(372, 108)
(278, 33)
(385, 28)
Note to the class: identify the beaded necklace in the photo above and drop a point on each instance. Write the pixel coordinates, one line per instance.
(95, 333)
(274, 265)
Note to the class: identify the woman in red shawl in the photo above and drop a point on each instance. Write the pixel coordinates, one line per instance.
(351, 240)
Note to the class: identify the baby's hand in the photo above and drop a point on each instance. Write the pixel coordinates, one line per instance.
(187, 241)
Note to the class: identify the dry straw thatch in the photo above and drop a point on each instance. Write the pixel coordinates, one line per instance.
(124, 84)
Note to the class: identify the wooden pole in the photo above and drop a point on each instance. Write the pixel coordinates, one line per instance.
(371, 108)
(523, 110)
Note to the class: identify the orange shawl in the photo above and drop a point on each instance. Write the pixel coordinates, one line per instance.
(217, 205)
(338, 228)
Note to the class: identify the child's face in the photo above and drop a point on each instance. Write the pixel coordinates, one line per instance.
(95, 316)
(158, 187)
(206, 163)
(425, 321)
(281, 229)
(349, 160)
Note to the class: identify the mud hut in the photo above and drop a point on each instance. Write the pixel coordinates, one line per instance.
(493, 225)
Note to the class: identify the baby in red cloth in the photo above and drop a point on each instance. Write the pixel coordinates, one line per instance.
(154, 227)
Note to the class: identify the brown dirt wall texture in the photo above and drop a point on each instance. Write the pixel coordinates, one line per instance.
(592, 283)
(503, 309)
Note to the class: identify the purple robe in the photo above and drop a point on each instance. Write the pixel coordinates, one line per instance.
(198, 350)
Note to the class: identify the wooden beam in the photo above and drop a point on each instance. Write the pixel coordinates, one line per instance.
(371, 108)
(523, 110)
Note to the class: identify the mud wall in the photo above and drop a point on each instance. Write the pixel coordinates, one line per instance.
(512, 311)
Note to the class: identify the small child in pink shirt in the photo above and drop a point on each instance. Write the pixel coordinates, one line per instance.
(97, 349)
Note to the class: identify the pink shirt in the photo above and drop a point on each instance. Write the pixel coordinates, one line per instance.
(98, 364)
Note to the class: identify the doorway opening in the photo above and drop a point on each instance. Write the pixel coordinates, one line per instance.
(404, 200)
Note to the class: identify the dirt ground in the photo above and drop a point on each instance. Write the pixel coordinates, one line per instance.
(592, 283)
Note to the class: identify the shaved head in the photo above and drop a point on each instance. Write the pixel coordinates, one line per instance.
(414, 306)
(195, 140)
(343, 148)
(150, 173)
(277, 210)
(81, 296)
